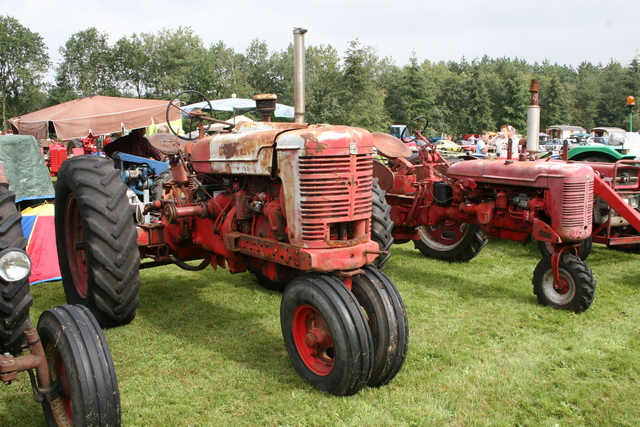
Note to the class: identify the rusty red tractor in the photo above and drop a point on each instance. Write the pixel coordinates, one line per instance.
(449, 209)
(289, 203)
(67, 357)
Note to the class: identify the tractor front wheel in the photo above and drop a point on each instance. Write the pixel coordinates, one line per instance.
(576, 288)
(97, 240)
(82, 368)
(326, 334)
(450, 241)
(388, 323)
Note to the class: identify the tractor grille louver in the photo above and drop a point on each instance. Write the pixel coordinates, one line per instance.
(577, 210)
(334, 189)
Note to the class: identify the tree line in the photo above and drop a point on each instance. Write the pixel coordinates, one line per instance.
(356, 88)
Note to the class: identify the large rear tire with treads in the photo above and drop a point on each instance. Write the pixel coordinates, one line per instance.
(97, 240)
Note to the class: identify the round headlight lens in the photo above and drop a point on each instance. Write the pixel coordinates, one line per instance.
(14, 265)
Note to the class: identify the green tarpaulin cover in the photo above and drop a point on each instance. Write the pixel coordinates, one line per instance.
(24, 165)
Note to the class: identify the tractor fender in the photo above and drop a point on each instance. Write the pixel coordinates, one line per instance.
(585, 151)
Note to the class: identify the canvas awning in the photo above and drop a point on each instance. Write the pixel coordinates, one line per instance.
(98, 115)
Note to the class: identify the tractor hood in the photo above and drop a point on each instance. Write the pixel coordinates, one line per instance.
(538, 174)
(251, 153)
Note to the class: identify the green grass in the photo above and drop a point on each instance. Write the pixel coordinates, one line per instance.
(206, 350)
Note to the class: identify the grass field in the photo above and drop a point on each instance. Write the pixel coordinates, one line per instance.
(206, 350)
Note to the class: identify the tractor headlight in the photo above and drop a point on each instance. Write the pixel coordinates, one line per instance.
(14, 265)
(632, 201)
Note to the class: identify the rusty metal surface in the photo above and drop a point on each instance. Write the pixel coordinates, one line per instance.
(10, 366)
(166, 143)
(347, 258)
(246, 153)
(390, 146)
(384, 175)
(297, 196)
(526, 173)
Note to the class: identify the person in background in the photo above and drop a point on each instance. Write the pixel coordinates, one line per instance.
(163, 129)
(134, 143)
(483, 144)
(506, 133)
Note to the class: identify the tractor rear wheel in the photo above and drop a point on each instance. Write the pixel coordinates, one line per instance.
(264, 281)
(388, 323)
(450, 241)
(546, 248)
(157, 192)
(576, 289)
(74, 143)
(326, 334)
(381, 224)
(97, 240)
(15, 297)
(80, 362)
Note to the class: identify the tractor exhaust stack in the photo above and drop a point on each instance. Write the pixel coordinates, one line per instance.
(298, 74)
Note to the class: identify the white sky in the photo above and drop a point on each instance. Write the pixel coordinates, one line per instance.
(563, 31)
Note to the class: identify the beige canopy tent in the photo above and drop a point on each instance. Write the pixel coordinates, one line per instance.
(98, 115)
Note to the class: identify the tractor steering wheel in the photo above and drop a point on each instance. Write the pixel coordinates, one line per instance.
(413, 126)
(193, 118)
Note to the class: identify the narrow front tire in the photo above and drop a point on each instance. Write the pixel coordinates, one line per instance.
(326, 334)
(82, 368)
(575, 290)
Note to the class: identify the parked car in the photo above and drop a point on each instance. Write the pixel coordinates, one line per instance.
(447, 146)
(597, 140)
(554, 146)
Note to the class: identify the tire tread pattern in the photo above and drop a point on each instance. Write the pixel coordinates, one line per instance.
(79, 341)
(15, 297)
(583, 277)
(381, 224)
(110, 235)
(356, 359)
(387, 319)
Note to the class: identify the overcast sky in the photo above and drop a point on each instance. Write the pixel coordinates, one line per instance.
(562, 31)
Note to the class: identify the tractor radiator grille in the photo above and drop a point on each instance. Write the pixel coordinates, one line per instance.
(334, 190)
(577, 204)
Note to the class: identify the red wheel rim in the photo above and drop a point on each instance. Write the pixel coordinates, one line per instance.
(65, 394)
(447, 232)
(61, 407)
(313, 340)
(74, 239)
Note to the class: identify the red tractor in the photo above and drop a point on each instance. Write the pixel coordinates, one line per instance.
(449, 209)
(616, 216)
(290, 203)
(67, 357)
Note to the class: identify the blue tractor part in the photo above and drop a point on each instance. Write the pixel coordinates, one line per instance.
(138, 172)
